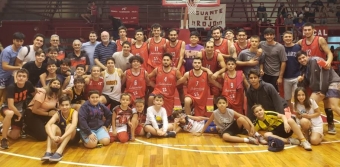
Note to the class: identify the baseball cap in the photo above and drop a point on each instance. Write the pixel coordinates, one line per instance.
(275, 145)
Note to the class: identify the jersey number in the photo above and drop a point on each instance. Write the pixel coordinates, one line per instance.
(112, 88)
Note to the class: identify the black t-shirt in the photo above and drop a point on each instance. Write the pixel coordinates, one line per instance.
(75, 60)
(19, 94)
(34, 71)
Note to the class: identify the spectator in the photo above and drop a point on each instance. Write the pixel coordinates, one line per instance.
(91, 12)
(317, 4)
(306, 10)
(288, 22)
(261, 12)
(55, 41)
(116, 23)
(323, 15)
(298, 27)
(282, 10)
(89, 47)
(338, 13)
(312, 15)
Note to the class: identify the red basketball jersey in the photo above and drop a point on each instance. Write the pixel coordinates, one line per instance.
(135, 85)
(94, 85)
(223, 47)
(313, 49)
(174, 51)
(141, 51)
(233, 91)
(165, 82)
(239, 49)
(156, 51)
(211, 63)
(198, 92)
(119, 44)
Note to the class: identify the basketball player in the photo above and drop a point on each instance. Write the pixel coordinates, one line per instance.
(198, 85)
(213, 61)
(317, 46)
(112, 84)
(222, 45)
(140, 48)
(166, 78)
(136, 79)
(176, 48)
(242, 43)
(229, 35)
(122, 38)
(156, 46)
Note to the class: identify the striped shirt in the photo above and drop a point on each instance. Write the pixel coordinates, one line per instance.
(103, 52)
(270, 122)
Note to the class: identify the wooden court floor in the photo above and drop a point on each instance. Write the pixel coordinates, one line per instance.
(184, 150)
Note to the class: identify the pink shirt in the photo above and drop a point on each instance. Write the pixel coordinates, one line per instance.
(47, 103)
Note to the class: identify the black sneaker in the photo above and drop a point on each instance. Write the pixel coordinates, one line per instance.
(171, 134)
(56, 157)
(46, 156)
(4, 143)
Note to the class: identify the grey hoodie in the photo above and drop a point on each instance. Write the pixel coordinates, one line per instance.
(267, 96)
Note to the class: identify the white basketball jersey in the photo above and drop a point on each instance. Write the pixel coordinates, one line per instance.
(112, 85)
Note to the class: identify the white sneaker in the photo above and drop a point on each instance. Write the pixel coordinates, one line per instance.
(294, 141)
(306, 145)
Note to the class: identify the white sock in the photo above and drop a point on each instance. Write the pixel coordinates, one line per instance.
(257, 134)
(246, 140)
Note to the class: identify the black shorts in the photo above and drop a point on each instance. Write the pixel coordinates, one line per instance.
(15, 123)
(113, 103)
(232, 130)
(280, 131)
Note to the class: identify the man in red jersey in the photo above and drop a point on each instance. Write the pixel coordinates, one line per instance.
(213, 61)
(156, 46)
(176, 48)
(317, 46)
(140, 48)
(136, 79)
(166, 78)
(222, 45)
(242, 43)
(197, 89)
(122, 38)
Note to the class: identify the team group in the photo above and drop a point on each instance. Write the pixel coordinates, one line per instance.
(48, 95)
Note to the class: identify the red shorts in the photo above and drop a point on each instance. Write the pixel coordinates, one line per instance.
(121, 136)
(139, 129)
(199, 107)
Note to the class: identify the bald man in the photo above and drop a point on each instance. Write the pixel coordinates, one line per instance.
(78, 56)
(104, 50)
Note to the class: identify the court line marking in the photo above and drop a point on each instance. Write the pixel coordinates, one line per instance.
(209, 151)
(62, 162)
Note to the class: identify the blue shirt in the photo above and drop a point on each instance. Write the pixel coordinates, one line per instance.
(292, 65)
(103, 52)
(8, 55)
(89, 49)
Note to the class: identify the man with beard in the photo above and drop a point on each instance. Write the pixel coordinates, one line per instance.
(140, 48)
(317, 46)
(89, 47)
(176, 48)
(166, 78)
(274, 61)
(198, 85)
(156, 47)
(27, 53)
(212, 60)
(222, 45)
(122, 38)
(104, 50)
(136, 79)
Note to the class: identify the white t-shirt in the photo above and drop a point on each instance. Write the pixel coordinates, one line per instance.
(23, 51)
(121, 61)
(317, 121)
(112, 85)
(157, 118)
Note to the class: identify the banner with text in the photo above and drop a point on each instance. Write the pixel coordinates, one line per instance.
(127, 14)
(321, 31)
(208, 16)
